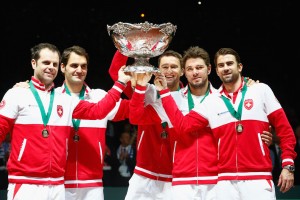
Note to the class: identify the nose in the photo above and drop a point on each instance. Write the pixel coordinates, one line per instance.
(195, 72)
(79, 68)
(52, 66)
(226, 66)
(169, 69)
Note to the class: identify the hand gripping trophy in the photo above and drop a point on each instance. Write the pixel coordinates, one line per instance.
(141, 41)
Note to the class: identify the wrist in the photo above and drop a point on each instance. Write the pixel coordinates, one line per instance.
(121, 82)
(291, 168)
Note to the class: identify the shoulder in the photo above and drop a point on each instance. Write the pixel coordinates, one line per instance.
(260, 87)
(59, 89)
(17, 91)
(96, 94)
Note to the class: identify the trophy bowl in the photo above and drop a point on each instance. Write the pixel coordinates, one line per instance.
(141, 41)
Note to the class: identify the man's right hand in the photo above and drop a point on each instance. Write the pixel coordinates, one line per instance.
(160, 82)
(122, 76)
(24, 84)
(142, 78)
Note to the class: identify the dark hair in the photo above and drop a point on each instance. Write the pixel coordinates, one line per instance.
(76, 49)
(171, 53)
(196, 52)
(225, 51)
(36, 50)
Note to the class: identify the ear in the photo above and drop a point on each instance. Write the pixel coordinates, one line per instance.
(208, 69)
(240, 67)
(217, 71)
(33, 63)
(62, 68)
(181, 72)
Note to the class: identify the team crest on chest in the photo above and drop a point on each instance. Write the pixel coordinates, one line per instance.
(2, 104)
(248, 104)
(60, 110)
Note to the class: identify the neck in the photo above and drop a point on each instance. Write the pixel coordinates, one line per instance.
(233, 86)
(174, 87)
(74, 88)
(48, 86)
(199, 91)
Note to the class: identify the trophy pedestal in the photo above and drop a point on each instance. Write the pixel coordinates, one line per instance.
(141, 65)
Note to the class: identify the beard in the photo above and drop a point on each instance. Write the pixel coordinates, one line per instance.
(197, 85)
(229, 78)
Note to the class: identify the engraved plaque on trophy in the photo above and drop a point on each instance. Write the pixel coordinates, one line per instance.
(141, 41)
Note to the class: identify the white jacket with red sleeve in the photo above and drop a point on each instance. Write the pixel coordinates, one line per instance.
(85, 158)
(242, 156)
(35, 159)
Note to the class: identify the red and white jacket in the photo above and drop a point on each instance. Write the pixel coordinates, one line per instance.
(242, 156)
(154, 154)
(33, 158)
(194, 154)
(85, 157)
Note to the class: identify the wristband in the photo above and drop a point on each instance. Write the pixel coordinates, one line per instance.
(121, 82)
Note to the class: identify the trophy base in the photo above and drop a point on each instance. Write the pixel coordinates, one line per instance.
(140, 69)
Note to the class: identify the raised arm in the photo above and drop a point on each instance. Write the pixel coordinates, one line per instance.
(184, 124)
(87, 110)
(118, 61)
(139, 113)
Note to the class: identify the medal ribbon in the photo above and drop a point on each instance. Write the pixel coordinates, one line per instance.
(75, 122)
(236, 114)
(45, 116)
(190, 98)
(164, 125)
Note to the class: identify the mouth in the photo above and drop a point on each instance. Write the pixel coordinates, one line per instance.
(49, 75)
(226, 75)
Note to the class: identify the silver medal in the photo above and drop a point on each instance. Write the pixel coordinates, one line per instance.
(239, 128)
(76, 138)
(45, 133)
(164, 135)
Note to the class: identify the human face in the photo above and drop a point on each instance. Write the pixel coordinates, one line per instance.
(125, 139)
(196, 72)
(46, 67)
(170, 67)
(75, 70)
(228, 69)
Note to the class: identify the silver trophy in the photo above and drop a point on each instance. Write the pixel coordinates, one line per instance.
(141, 41)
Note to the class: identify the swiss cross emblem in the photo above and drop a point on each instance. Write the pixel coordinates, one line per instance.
(248, 104)
(2, 104)
(60, 110)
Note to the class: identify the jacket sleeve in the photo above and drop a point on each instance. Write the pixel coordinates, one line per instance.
(5, 127)
(183, 124)
(9, 111)
(123, 111)
(92, 111)
(140, 114)
(117, 62)
(283, 129)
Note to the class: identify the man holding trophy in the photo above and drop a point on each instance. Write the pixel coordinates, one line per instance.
(152, 176)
